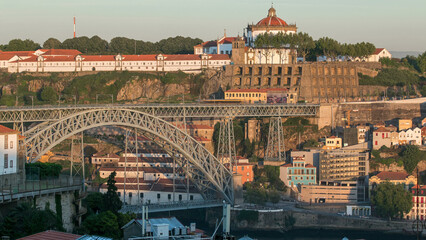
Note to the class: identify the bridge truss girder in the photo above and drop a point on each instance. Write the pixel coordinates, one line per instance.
(206, 172)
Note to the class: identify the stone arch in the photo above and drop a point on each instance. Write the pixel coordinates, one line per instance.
(207, 172)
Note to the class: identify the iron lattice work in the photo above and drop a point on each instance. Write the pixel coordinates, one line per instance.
(131, 148)
(206, 171)
(52, 113)
(226, 152)
(275, 150)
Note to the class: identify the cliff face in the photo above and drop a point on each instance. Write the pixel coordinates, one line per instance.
(150, 88)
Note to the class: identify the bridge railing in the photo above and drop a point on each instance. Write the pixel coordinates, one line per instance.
(31, 187)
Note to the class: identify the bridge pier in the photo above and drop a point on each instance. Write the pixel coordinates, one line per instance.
(275, 150)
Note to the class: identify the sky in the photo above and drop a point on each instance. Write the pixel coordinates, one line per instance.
(394, 24)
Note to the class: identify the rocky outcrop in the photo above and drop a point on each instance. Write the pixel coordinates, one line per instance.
(149, 88)
(214, 80)
(8, 90)
(35, 85)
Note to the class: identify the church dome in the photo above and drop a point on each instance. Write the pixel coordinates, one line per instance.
(272, 19)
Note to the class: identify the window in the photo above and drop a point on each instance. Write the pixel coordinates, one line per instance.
(6, 160)
(169, 196)
(119, 194)
(130, 194)
(141, 195)
(11, 163)
(180, 197)
(158, 196)
(11, 144)
(191, 197)
(5, 141)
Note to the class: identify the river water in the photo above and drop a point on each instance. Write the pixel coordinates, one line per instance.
(322, 235)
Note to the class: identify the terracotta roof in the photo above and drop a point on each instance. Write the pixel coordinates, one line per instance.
(227, 40)
(263, 90)
(60, 52)
(332, 137)
(6, 56)
(381, 129)
(209, 44)
(219, 57)
(309, 166)
(67, 58)
(105, 155)
(247, 90)
(143, 169)
(20, 53)
(377, 51)
(272, 21)
(151, 57)
(392, 175)
(29, 59)
(6, 130)
(51, 235)
(287, 165)
(201, 139)
(98, 57)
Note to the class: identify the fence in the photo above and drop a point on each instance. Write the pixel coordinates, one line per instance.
(33, 188)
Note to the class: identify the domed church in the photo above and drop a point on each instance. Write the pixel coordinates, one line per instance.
(270, 24)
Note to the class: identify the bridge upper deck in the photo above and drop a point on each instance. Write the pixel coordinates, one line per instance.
(196, 110)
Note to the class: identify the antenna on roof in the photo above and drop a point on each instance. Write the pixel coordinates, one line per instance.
(74, 26)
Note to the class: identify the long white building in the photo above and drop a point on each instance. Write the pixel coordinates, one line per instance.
(69, 60)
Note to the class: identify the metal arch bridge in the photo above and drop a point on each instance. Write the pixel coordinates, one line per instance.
(53, 113)
(206, 171)
(62, 122)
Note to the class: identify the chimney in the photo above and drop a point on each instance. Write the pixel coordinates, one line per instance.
(74, 27)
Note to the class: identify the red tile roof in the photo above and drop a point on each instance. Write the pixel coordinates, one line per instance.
(201, 139)
(287, 165)
(6, 130)
(51, 235)
(227, 40)
(381, 129)
(151, 57)
(263, 90)
(57, 58)
(60, 52)
(377, 51)
(105, 155)
(6, 56)
(20, 53)
(392, 175)
(272, 21)
(98, 57)
(209, 44)
(309, 166)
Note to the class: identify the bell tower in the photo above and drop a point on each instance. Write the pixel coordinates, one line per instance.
(238, 50)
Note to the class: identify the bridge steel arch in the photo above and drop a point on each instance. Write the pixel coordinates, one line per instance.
(206, 172)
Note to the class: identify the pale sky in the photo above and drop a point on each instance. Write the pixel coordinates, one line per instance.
(394, 24)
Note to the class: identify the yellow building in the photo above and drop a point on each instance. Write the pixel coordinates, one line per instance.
(332, 142)
(247, 95)
(266, 95)
(403, 178)
(404, 124)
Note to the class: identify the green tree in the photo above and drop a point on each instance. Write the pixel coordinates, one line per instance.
(390, 200)
(52, 43)
(94, 202)
(411, 156)
(305, 44)
(22, 45)
(48, 94)
(25, 220)
(112, 201)
(104, 224)
(274, 196)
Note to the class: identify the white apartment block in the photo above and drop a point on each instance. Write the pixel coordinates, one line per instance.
(8, 150)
